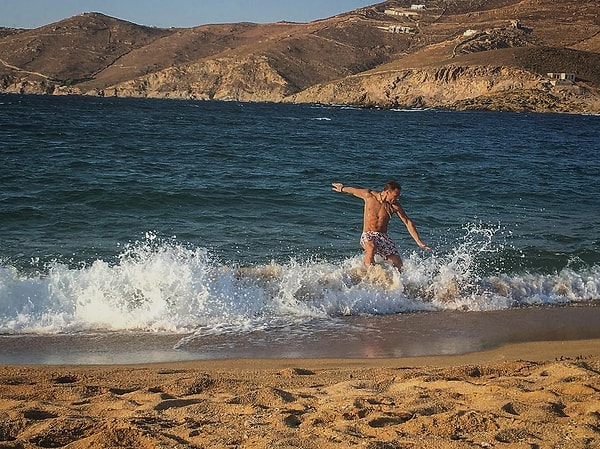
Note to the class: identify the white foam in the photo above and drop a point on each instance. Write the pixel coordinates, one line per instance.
(165, 286)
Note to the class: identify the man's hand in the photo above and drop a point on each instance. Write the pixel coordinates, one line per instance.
(337, 186)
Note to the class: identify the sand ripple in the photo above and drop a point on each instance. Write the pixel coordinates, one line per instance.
(517, 404)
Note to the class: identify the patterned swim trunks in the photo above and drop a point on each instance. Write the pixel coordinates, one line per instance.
(384, 245)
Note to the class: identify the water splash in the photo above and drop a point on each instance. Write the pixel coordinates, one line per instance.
(162, 285)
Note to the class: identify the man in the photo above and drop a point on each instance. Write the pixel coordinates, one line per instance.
(379, 208)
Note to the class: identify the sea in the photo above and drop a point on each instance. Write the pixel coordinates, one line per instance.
(145, 230)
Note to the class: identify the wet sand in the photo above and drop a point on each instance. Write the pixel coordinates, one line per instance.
(404, 335)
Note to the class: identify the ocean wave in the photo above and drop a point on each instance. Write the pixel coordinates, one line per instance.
(162, 285)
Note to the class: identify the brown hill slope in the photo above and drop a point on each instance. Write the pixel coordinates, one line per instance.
(386, 55)
(489, 55)
(73, 49)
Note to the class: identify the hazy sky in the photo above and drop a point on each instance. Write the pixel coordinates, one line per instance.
(174, 13)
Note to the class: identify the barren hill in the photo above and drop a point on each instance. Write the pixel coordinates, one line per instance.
(488, 54)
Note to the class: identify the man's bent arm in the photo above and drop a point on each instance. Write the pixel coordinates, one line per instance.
(410, 226)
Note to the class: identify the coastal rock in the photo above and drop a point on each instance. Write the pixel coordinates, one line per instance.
(454, 87)
(247, 79)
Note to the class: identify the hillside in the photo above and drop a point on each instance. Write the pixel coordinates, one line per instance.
(456, 54)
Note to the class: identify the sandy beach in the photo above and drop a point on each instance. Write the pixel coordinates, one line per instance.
(527, 395)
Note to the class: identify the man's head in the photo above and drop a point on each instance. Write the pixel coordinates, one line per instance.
(392, 190)
(391, 185)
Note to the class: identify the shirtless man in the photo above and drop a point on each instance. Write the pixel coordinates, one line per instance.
(380, 207)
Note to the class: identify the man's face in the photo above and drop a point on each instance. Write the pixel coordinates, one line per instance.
(393, 195)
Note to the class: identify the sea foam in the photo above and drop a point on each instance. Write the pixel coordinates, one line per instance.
(162, 285)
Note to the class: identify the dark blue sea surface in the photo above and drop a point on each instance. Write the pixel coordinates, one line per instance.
(199, 218)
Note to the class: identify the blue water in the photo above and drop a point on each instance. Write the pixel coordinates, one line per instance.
(200, 218)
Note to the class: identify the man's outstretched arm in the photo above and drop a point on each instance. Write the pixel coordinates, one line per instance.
(356, 191)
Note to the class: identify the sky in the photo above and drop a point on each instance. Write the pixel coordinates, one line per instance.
(174, 13)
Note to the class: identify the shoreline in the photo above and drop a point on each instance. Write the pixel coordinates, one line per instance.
(401, 336)
(537, 352)
(448, 108)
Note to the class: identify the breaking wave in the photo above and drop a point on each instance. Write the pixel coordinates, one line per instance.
(163, 285)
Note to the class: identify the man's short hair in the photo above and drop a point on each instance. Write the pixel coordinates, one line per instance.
(392, 185)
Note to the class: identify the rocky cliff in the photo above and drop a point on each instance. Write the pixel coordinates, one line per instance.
(499, 88)
(456, 54)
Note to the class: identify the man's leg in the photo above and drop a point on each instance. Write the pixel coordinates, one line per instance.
(369, 247)
(395, 260)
